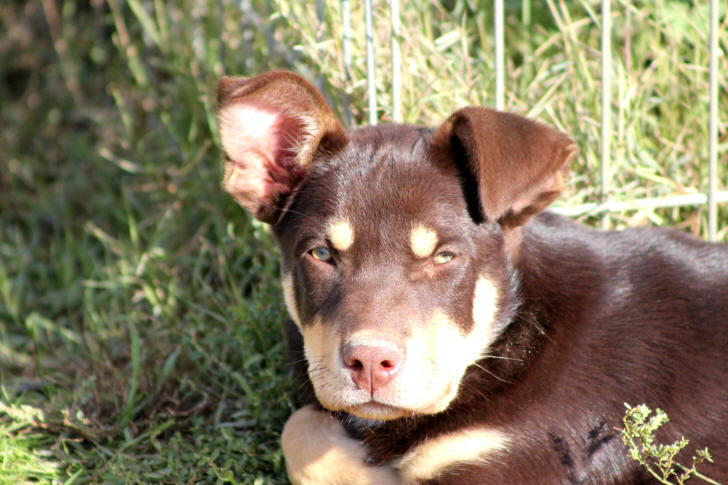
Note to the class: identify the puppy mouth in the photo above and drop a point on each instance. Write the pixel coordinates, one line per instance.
(376, 410)
(384, 408)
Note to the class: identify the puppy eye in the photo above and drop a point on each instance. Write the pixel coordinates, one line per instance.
(443, 257)
(320, 253)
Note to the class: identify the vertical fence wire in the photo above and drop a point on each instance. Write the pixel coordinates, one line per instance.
(321, 17)
(346, 48)
(396, 63)
(713, 125)
(606, 132)
(371, 80)
(499, 40)
(526, 12)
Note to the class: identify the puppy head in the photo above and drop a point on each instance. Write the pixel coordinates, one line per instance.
(396, 241)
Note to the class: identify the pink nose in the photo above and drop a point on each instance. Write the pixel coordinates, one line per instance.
(372, 366)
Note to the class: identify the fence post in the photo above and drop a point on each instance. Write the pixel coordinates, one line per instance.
(371, 80)
(713, 125)
(499, 39)
(396, 64)
(346, 48)
(606, 133)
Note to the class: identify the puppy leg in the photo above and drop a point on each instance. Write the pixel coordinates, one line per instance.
(319, 452)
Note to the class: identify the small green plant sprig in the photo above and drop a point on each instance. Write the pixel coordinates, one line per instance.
(638, 436)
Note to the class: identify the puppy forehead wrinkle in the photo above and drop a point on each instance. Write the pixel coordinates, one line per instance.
(341, 234)
(433, 456)
(423, 240)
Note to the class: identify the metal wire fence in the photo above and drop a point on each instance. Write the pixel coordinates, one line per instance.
(713, 196)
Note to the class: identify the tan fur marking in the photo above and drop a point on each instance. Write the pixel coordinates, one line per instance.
(485, 308)
(341, 234)
(315, 342)
(319, 452)
(453, 351)
(289, 296)
(428, 460)
(423, 241)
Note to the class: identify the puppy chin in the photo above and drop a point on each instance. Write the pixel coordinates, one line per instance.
(378, 412)
(373, 410)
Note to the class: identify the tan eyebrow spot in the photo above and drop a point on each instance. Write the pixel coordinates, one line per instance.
(423, 241)
(341, 234)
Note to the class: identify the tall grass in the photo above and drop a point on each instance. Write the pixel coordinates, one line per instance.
(139, 307)
(660, 103)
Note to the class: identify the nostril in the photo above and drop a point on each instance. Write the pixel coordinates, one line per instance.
(355, 364)
(372, 365)
(387, 364)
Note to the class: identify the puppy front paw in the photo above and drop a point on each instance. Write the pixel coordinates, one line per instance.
(319, 452)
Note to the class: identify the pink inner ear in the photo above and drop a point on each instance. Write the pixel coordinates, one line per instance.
(262, 144)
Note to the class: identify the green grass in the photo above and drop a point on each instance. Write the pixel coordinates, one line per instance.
(139, 306)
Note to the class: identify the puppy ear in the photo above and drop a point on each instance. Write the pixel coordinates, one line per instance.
(516, 163)
(272, 127)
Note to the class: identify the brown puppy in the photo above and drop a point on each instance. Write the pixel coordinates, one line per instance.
(449, 335)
